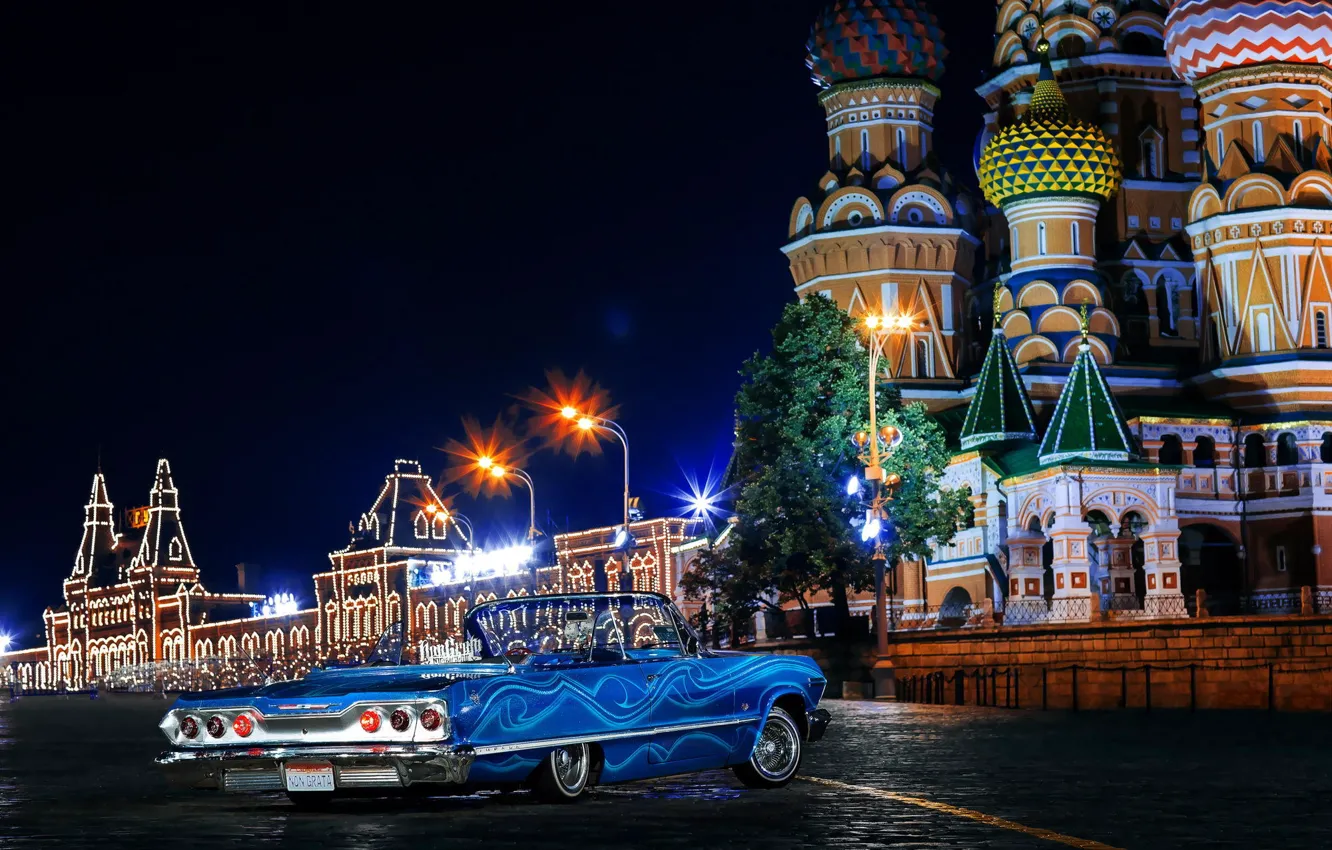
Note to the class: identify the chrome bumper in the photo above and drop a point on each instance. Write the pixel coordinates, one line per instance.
(817, 723)
(354, 767)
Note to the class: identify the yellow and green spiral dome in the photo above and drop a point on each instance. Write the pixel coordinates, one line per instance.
(1049, 152)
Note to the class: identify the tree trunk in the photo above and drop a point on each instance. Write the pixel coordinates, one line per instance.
(843, 608)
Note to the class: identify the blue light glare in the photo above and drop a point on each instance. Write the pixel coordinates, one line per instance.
(871, 529)
(703, 500)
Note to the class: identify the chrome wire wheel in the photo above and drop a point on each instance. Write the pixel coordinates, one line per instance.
(776, 755)
(564, 775)
(570, 765)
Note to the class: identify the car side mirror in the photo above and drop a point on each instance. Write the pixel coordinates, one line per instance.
(691, 645)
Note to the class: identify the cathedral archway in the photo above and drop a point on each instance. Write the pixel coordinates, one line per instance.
(1209, 559)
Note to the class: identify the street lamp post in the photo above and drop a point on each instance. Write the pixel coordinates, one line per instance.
(600, 423)
(499, 471)
(880, 328)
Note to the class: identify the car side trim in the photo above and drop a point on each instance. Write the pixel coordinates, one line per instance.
(517, 746)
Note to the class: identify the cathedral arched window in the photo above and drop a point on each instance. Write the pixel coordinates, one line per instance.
(1076, 235)
(924, 145)
(1013, 235)
(1040, 239)
(1325, 450)
(1288, 451)
(1258, 152)
(923, 361)
(866, 157)
(1320, 329)
(1172, 450)
(1220, 146)
(837, 152)
(1204, 452)
(1298, 132)
(1255, 453)
(174, 550)
(901, 147)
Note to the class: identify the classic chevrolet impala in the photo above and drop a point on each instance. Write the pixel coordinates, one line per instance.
(555, 693)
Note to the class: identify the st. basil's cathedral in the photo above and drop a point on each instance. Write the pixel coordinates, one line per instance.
(1126, 329)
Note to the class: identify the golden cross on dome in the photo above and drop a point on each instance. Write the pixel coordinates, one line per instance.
(998, 297)
(1084, 323)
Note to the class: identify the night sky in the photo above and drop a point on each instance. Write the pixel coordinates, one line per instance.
(283, 246)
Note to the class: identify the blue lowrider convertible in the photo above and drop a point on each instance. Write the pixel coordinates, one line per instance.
(555, 693)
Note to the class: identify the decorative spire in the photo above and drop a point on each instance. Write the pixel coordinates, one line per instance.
(99, 537)
(1087, 421)
(1000, 410)
(164, 543)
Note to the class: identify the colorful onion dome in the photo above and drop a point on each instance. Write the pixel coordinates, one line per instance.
(1049, 152)
(1206, 36)
(856, 39)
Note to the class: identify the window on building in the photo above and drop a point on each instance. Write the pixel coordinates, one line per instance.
(1220, 146)
(924, 146)
(1258, 153)
(1262, 331)
(1172, 450)
(1040, 239)
(1325, 450)
(1320, 329)
(1255, 453)
(1288, 451)
(1299, 140)
(923, 359)
(837, 152)
(866, 157)
(1076, 235)
(1204, 452)
(902, 147)
(1281, 559)
(1013, 237)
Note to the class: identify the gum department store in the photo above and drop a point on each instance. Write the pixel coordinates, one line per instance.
(1125, 330)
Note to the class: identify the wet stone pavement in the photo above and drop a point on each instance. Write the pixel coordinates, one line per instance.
(75, 773)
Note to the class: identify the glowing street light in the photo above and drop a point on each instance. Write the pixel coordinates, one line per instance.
(500, 471)
(5, 642)
(600, 423)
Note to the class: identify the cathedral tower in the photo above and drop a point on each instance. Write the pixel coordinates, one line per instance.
(1261, 222)
(1050, 173)
(887, 230)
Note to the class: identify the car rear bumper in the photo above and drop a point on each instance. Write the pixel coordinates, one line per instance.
(354, 767)
(817, 723)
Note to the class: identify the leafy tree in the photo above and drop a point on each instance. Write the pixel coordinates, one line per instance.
(796, 411)
(735, 594)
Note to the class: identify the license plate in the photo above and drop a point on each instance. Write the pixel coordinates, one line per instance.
(310, 777)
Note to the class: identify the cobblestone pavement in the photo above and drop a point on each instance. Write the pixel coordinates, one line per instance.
(75, 773)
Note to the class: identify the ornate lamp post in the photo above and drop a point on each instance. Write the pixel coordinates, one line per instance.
(600, 423)
(874, 445)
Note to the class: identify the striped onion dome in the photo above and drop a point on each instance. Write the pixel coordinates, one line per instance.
(1204, 37)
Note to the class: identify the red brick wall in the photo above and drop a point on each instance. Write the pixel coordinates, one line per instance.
(1237, 662)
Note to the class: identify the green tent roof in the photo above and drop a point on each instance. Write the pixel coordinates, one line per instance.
(1000, 410)
(1087, 422)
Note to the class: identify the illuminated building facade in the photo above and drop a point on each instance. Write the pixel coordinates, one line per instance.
(134, 598)
(1128, 337)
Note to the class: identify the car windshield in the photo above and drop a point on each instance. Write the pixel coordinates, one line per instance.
(592, 627)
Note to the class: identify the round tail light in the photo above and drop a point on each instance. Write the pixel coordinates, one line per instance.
(430, 720)
(400, 720)
(243, 725)
(370, 721)
(217, 727)
(189, 727)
